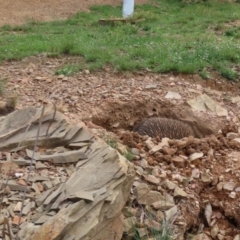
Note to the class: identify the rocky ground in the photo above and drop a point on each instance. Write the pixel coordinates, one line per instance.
(188, 187)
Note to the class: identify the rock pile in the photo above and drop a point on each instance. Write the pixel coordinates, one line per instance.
(73, 187)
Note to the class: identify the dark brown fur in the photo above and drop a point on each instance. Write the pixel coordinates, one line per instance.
(163, 127)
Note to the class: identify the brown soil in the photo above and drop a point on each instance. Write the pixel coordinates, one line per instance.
(16, 12)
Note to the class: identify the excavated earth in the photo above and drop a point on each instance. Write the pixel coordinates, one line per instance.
(197, 176)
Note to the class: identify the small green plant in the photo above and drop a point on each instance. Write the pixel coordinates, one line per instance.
(129, 155)
(111, 142)
(68, 70)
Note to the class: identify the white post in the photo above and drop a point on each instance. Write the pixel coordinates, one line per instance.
(128, 8)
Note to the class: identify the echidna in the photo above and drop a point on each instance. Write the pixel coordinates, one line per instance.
(163, 127)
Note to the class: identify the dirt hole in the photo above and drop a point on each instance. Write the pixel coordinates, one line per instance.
(126, 116)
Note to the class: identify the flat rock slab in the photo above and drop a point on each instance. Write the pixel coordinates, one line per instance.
(204, 103)
(76, 205)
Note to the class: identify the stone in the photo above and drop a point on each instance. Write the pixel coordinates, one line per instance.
(206, 178)
(47, 185)
(153, 224)
(178, 161)
(14, 186)
(151, 86)
(151, 179)
(232, 135)
(65, 157)
(149, 143)
(135, 151)
(31, 154)
(170, 185)
(229, 186)
(18, 207)
(144, 163)
(40, 165)
(195, 173)
(237, 237)
(163, 204)
(205, 103)
(195, 156)
(220, 186)
(171, 213)
(23, 162)
(42, 220)
(201, 236)
(232, 194)
(145, 196)
(173, 95)
(27, 208)
(42, 198)
(17, 220)
(214, 231)
(169, 151)
(22, 182)
(142, 232)
(178, 192)
(37, 178)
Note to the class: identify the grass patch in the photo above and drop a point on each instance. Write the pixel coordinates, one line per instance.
(111, 142)
(170, 36)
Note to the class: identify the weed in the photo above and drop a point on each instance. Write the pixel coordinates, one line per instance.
(111, 142)
(129, 155)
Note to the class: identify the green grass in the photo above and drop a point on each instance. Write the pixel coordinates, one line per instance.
(172, 36)
(129, 155)
(111, 142)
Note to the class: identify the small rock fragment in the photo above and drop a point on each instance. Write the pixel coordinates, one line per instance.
(18, 207)
(205, 178)
(232, 194)
(195, 156)
(17, 220)
(173, 95)
(214, 230)
(178, 161)
(151, 179)
(178, 192)
(229, 186)
(170, 185)
(171, 213)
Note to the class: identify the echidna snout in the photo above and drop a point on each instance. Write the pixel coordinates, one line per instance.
(163, 127)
